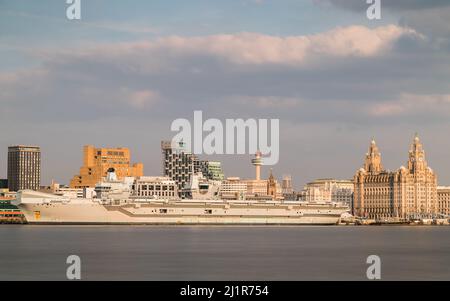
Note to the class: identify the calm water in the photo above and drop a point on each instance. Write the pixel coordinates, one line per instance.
(223, 253)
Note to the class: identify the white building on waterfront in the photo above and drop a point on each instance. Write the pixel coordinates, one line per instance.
(233, 188)
(328, 190)
(162, 187)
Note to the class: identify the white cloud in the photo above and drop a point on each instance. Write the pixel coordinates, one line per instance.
(265, 102)
(436, 104)
(257, 49)
(142, 98)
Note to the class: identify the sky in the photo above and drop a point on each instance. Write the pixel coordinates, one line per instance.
(127, 69)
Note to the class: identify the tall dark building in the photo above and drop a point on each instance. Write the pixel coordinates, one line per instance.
(3, 183)
(24, 167)
(178, 163)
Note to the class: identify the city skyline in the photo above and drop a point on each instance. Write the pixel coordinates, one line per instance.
(121, 75)
(249, 162)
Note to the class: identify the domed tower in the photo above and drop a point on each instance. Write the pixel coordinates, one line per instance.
(416, 162)
(373, 159)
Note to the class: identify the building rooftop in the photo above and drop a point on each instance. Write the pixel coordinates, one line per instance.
(24, 146)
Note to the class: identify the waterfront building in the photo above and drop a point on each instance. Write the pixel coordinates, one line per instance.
(233, 188)
(212, 170)
(287, 190)
(286, 185)
(8, 212)
(252, 189)
(274, 187)
(97, 161)
(408, 193)
(3, 183)
(443, 193)
(262, 189)
(328, 190)
(179, 164)
(24, 167)
(256, 187)
(159, 187)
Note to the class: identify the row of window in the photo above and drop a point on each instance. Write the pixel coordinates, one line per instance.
(154, 187)
(155, 193)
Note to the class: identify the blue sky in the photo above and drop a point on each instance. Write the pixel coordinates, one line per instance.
(335, 79)
(26, 24)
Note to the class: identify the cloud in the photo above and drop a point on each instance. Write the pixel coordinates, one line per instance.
(345, 70)
(434, 21)
(429, 17)
(396, 5)
(338, 87)
(254, 48)
(266, 102)
(413, 105)
(142, 98)
(122, 27)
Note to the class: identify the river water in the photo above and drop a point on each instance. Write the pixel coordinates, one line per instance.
(224, 253)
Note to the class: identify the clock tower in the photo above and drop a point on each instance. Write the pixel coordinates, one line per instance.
(417, 162)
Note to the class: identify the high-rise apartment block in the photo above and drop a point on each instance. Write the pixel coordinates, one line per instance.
(24, 167)
(178, 163)
(97, 162)
(212, 170)
(408, 193)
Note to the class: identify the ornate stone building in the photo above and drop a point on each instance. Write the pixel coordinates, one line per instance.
(444, 200)
(409, 192)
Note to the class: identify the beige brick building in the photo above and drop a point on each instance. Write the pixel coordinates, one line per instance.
(97, 161)
(409, 192)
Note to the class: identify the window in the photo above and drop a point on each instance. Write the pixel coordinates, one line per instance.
(162, 210)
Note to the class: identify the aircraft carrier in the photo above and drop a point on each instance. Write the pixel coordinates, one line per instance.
(114, 203)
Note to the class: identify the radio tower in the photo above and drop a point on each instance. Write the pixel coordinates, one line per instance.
(257, 161)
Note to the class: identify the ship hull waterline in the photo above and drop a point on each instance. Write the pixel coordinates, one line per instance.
(98, 214)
